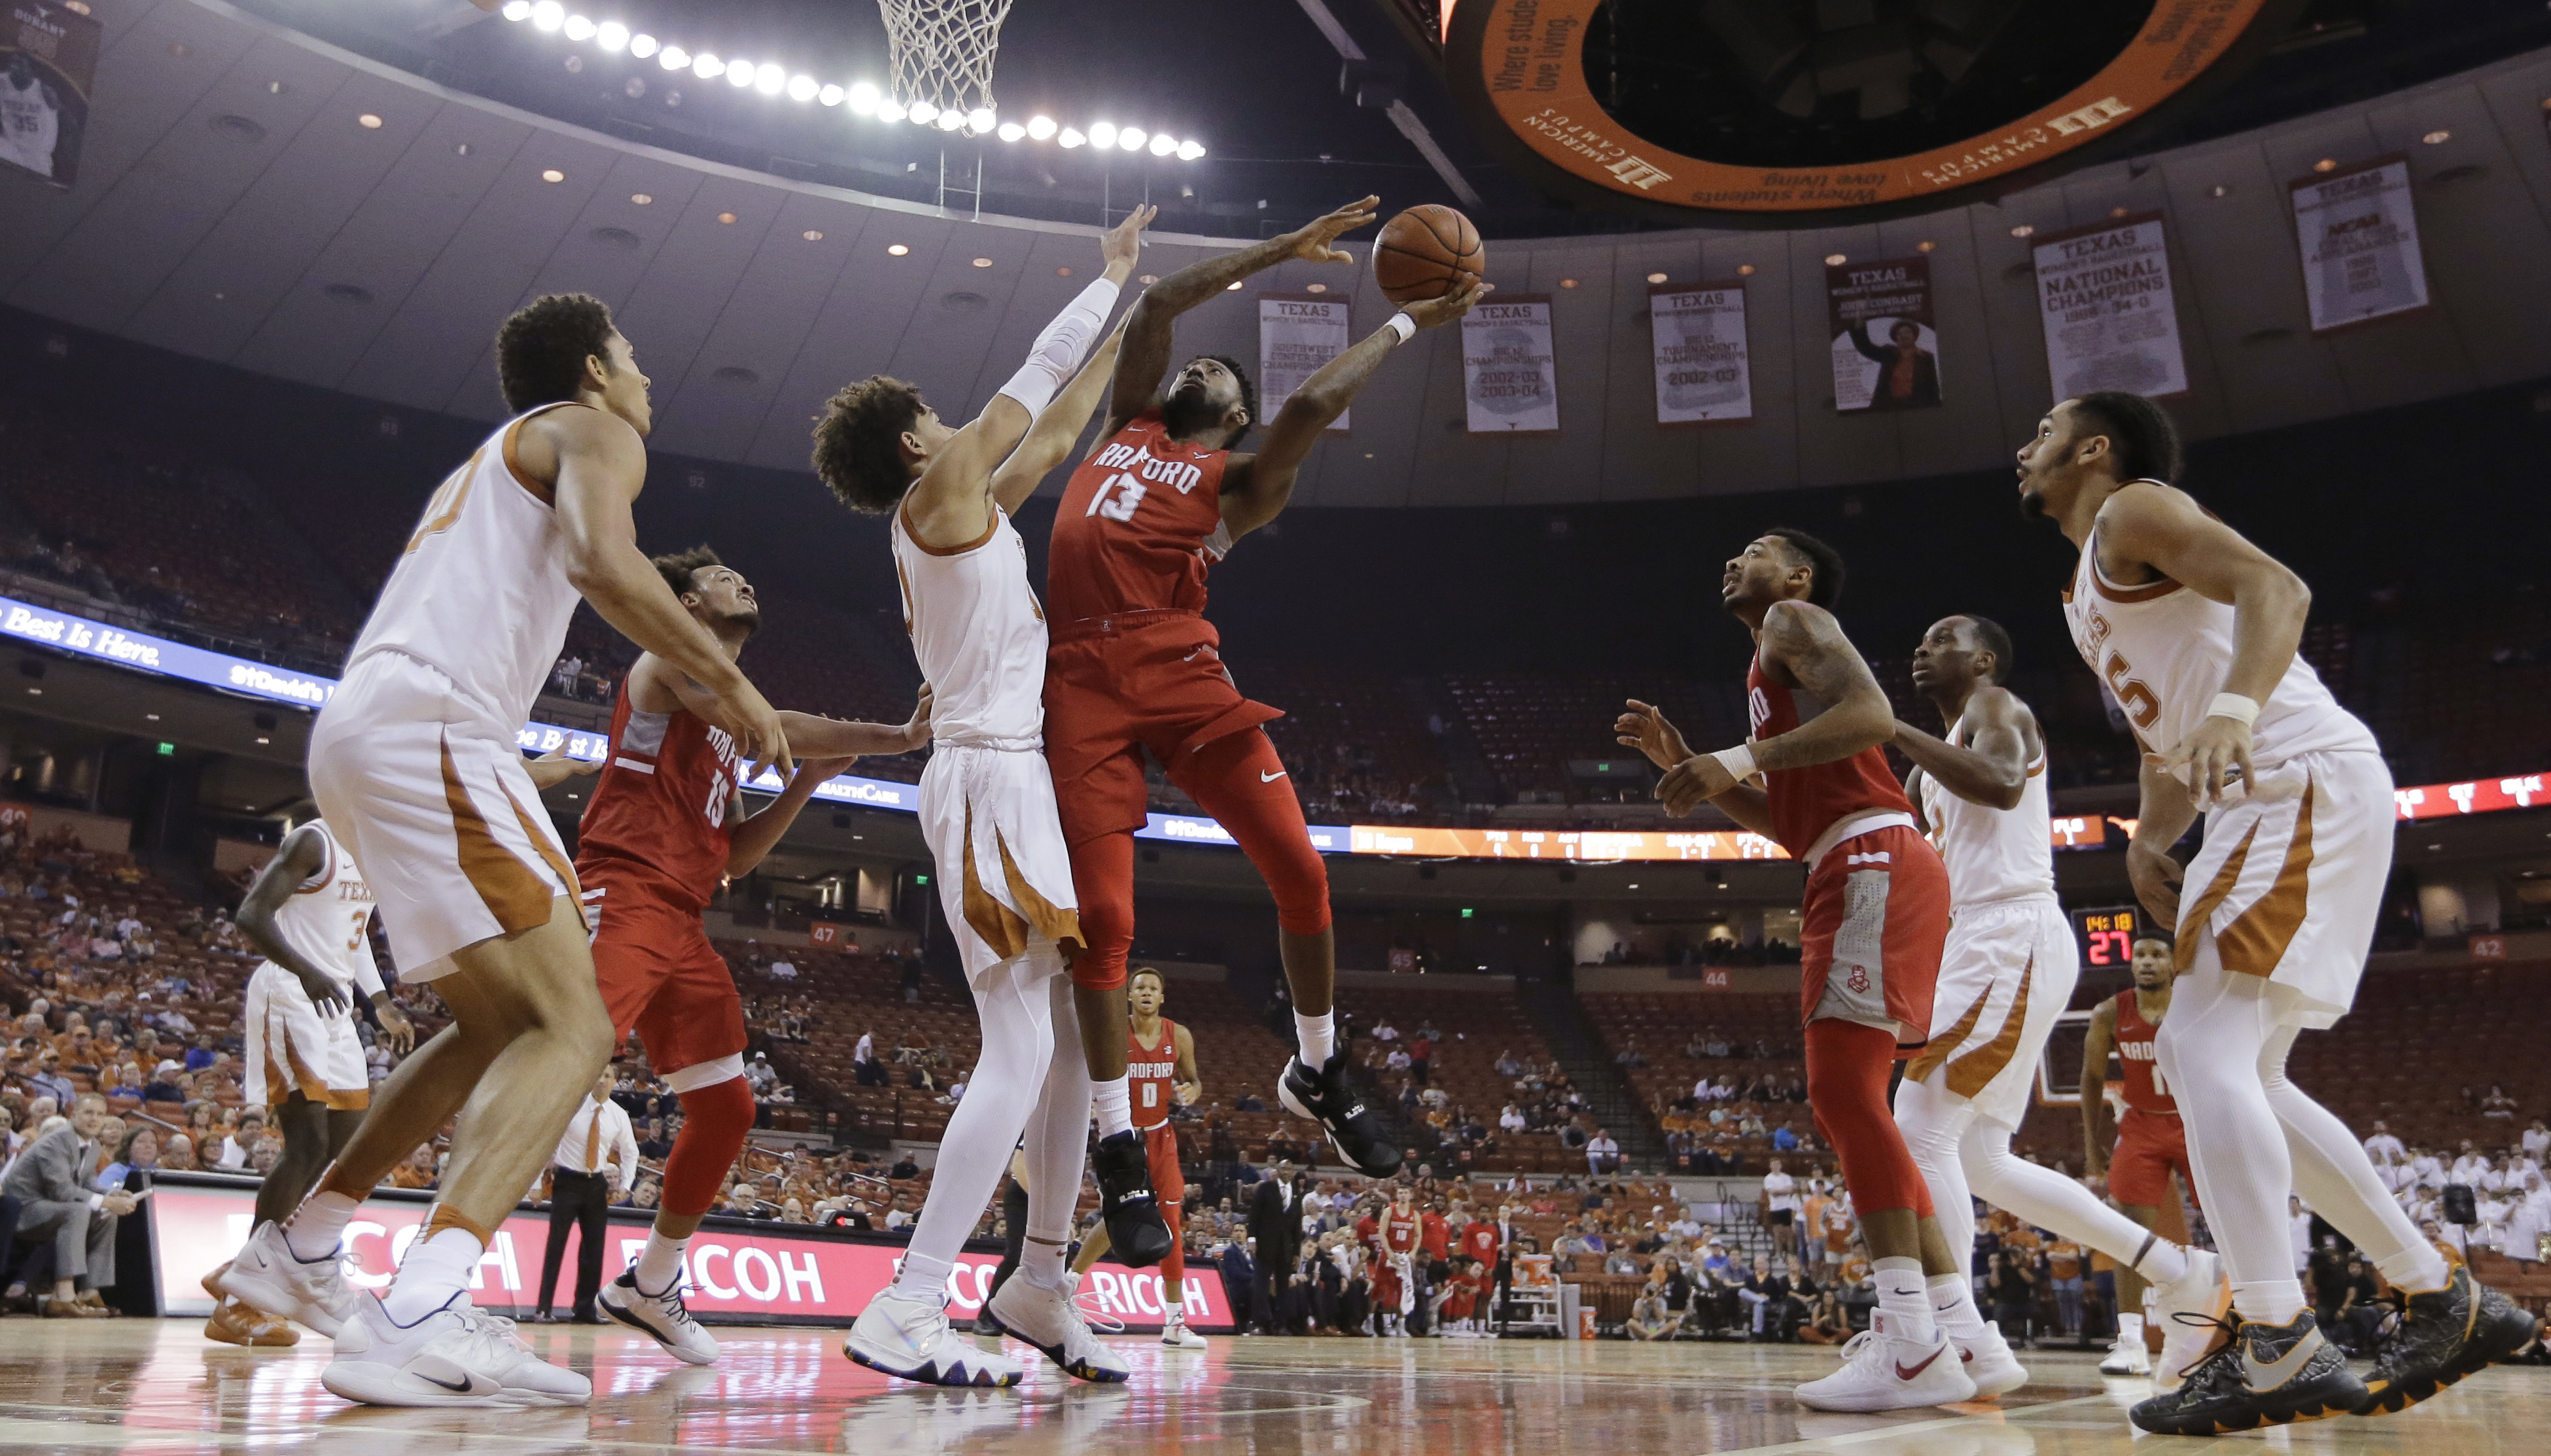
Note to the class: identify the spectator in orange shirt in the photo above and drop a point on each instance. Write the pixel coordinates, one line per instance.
(2064, 1273)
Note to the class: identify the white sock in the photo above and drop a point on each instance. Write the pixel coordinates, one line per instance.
(2268, 1300)
(316, 1227)
(1112, 1101)
(2130, 1329)
(1953, 1307)
(2164, 1263)
(1317, 1037)
(923, 1277)
(1041, 1259)
(431, 1274)
(2416, 1268)
(1906, 1302)
(1177, 1312)
(661, 1262)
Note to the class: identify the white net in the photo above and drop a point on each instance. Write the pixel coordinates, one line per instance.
(941, 53)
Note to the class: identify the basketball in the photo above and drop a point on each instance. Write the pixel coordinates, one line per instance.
(1422, 253)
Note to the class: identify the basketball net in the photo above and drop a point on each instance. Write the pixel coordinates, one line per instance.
(941, 54)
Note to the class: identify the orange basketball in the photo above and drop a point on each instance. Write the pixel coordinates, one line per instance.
(1423, 252)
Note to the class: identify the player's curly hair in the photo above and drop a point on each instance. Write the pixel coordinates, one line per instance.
(858, 454)
(2140, 434)
(1824, 565)
(680, 569)
(1248, 399)
(542, 348)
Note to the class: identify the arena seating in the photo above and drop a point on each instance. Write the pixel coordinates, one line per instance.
(1529, 726)
(1664, 1022)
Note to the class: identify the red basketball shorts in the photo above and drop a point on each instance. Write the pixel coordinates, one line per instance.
(1872, 926)
(1168, 1181)
(659, 975)
(1115, 686)
(2149, 1147)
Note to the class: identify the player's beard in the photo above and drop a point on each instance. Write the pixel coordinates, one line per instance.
(1189, 411)
(2033, 505)
(749, 619)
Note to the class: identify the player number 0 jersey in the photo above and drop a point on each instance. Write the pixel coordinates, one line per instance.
(1152, 1075)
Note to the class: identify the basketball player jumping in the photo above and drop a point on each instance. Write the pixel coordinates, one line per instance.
(1875, 913)
(987, 807)
(664, 826)
(2194, 631)
(1135, 665)
(415, 767)
(311, 913)
(2007, 974)
(2150, 1143)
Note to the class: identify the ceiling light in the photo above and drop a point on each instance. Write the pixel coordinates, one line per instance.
(2325, 164)
(549, 15)
(1102, 134)
(830, 96)
(34, 692)
(1835, 260)
(368, 122)
(265, 741)
(889, 110)
(674, 59)
(1040, 127)
(802, 88)
(2024, 230)
(2438, 137)
(980, 119)
(982, 262)
(642, 198)
(1567, 282)
(1149, 279)
(1011, 132)
(1164, 143)
(863, 98)
(1132, 138)
(1190, 150)
(1063, 273)
(742, 74)
(1744, 270)
(1319, 287)
(1656, 277)
(642, 46)
(1925, 246)
(897, 250)
(726, 217)
(950, 119)
(706, 66)
(1234, 287)
(812, 236)
(611, 34)
(517, 10)
(154, 717)
(579, 28)
(1070, 137)
(2218, 190)
(923, 113)
(770, 78)
(552, 174)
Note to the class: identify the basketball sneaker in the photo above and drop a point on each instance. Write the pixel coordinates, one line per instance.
(1324, 1098)
(1135, 1230)
(2442, 1335)
(1882, 1373)
(2195, 1310)
(235, 1324)
(662, 1316)
(2260, 1375)
(266, 1275)
(1175, 1335)
(907, 1336)
(455, 1356)
(2128, 1356)
(1990, 1363)
(1049, 1319)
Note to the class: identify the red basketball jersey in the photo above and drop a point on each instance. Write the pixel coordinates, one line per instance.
(661, 804)
(1805, 801)
(2145, 1091)
(1400, 1230)
(1151, 1075)
(1140, 525)
(1480, 1241)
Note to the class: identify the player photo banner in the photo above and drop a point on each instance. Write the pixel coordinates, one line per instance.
(2103, 294)
(1703, 375)
(1510, 370)
(47, 58)
(1885, 355)
(2359, 236)
(1297, 333)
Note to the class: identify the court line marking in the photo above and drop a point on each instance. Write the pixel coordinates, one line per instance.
(1905, 1428)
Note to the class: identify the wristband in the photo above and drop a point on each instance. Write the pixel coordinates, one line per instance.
(2243, 711)
(1738, 762)
(1401, 325)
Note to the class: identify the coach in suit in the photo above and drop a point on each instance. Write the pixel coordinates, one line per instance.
(50, 1186)
(1276, 1225)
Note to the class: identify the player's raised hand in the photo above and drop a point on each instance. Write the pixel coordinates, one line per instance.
(1452, 303)
(1122, 244)
(1312, 241)
(1645, 728)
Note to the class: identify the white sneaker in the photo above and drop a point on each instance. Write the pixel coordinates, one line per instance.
(1092, 1305)
(455, 1356)
(2204, 1294)
(1990, 1364)
(2127, 1356)
(1178, 1336)
(907, 1336)
(1881, 1372)
(266, 1275)
(1048, 1320)
(662, 1316)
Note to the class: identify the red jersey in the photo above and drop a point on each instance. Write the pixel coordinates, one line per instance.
(1139, 525)
(661, 804)
(1480, 1241)
(1435, 1235)
(2145, 1089)
(1805, 801)
(1152, 1074)
(1400, 1230)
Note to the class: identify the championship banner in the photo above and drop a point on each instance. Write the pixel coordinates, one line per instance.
(1509, 371)
(732, 1272)
(1703, 374)
(47, 58)
(2104, 295)
(1297, 333)
(2359, 236)
(1885, 355)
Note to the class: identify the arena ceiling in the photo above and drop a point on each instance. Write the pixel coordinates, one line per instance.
(233, 206)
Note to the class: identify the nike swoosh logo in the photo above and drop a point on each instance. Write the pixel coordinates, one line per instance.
(1269, 778)
(2267, 1377)
(459, 1388)
(1903, 1374)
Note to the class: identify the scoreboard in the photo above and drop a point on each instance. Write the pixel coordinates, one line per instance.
(2106, 935)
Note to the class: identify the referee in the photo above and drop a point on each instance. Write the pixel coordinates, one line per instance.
(596, 1148)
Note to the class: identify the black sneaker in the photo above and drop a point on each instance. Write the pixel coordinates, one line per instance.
(1135, 1230)
(2442, 1335)
(1325, 1099)
(2265, 1374)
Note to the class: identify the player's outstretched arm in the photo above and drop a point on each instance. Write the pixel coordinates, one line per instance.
(555, 767)
(831, 737)
(1059, 428)
(1256, 488)
(2096, 1043)
(303, 853)
(1992, 768)
(2166, 530)
(1146, 341)
(750, 839)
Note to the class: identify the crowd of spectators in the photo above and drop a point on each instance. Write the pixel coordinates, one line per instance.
(2470, 1198)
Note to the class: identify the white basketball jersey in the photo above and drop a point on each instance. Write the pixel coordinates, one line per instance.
(1991, 853)
(30, 124)
(481, 592)
(2164, 649)
(327, 920)
(979, 635)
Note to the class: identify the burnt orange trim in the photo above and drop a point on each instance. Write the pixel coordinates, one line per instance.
(903, 512)
(1001, 926)
(2192, 917)
(344, 1184)
(2144, 593)
(1942, 1045)
(2037, 768)
(550, 855)
(545, 493)
(1060, 925)
(2256, 940)
(1971, 1074)
(443, 1217)
(458, 483)
(325, 876)
(911, 613)
(311, 1086)
(514, 895)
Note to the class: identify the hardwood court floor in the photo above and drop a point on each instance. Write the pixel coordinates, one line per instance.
(158, 1387)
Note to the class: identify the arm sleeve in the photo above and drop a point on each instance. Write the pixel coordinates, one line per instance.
(1058, 350)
